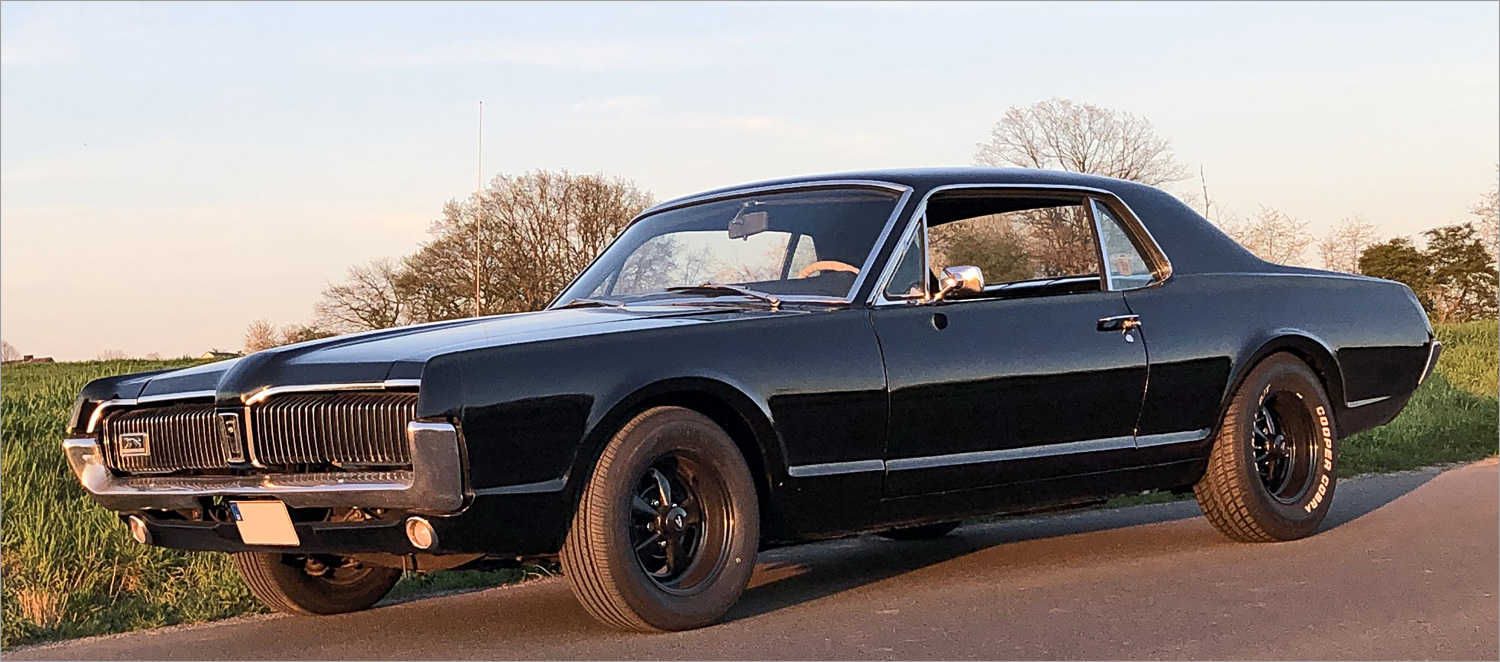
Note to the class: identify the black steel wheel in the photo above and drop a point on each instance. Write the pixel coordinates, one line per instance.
(314, 584)
(666, 532)
(1274, 461)
(1284, 446)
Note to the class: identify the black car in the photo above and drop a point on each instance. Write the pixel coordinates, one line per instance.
(886, 352)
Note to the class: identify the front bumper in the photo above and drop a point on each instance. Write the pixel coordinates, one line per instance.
(434, 484)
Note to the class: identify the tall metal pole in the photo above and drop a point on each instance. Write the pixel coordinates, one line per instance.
(478, 207)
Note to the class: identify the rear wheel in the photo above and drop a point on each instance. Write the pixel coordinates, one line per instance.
(924, 532)
(313, 584)
(666, 533)
(1272, 470)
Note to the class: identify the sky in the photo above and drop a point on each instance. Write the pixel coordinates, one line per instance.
(170, 172)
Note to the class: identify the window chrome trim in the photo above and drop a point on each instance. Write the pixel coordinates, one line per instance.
(1162, 266)
(1104, 271)
(700, 198)
(679, 203)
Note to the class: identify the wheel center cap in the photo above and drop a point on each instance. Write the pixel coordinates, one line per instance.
(675, 518)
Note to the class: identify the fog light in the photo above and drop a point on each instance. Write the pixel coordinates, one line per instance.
(419, 532)
(138, 530)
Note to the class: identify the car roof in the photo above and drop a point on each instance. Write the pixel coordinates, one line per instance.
(1191, 242)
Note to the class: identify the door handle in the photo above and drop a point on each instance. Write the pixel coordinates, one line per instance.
(1122, 323)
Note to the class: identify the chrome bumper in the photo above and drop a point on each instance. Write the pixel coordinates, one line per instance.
(1432, 358)
(434, 483)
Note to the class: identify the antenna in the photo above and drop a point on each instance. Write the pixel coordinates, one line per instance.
(478, 208)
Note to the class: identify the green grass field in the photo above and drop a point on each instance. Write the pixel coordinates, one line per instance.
(68, 569)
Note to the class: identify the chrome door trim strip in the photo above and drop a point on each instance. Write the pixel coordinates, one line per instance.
(1024, 453)
(1368, 401)
(554, 485)
(982, 457)
(1163, 268)
(1169, 438)
(835, 468)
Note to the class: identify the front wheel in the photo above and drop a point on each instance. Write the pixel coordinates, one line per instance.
(666, 533)
(313, 584)
(1274, 462)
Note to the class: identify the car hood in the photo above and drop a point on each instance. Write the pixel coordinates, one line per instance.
(401, 353)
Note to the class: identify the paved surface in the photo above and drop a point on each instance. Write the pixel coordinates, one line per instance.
(1405, 568)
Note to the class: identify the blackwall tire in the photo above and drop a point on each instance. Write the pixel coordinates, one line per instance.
(1274, 463)
(924, 532)
(617, 555)
(281, 583)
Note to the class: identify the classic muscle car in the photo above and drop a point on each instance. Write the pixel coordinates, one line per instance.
(879, 352)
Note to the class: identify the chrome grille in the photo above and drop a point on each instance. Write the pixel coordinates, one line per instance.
(348, 429)
(174, 437)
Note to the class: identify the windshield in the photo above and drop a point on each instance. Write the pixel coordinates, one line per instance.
(798, 243)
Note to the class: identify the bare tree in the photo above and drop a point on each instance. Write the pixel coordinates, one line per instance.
(1488, 226)
(1060, 134)
(369, 298)
(536, 232)
(1341, 247)
(113, 355)
(8, 352)
(1271, 234)
(261, 334)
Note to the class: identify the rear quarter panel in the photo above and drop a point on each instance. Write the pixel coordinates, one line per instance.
(1367, 339)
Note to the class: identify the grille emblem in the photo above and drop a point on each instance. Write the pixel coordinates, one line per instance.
(135, 444)
(229, 436)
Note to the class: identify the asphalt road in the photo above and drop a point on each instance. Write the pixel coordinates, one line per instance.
(1406, 568)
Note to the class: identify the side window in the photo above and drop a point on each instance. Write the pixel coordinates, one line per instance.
(1017, 240)
(906, 280)
(1127, 269)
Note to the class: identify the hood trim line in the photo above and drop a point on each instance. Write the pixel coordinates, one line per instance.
(345, 386)
(98, 414)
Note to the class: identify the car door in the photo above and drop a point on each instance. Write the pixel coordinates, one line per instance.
(1038, 376)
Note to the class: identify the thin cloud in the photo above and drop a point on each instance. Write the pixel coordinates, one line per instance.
(577, 54)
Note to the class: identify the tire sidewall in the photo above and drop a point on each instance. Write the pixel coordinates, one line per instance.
(657, 433)
(1286, 374)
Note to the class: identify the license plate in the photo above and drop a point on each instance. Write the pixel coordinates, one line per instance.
(264, 523)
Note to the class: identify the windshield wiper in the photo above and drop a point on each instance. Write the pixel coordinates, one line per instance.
(712, 288)
(582, 303)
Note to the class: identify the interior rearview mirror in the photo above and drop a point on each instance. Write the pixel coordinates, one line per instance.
(958, 282)
(747, 224)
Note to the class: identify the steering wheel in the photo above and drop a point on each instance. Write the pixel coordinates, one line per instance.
(826, 265)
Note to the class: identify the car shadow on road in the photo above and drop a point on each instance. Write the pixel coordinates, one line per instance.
(795, 575)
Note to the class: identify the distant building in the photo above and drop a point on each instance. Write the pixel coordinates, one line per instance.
(218, 355)
(29, 359)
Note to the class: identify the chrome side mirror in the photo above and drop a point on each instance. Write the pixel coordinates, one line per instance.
(960, 281)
